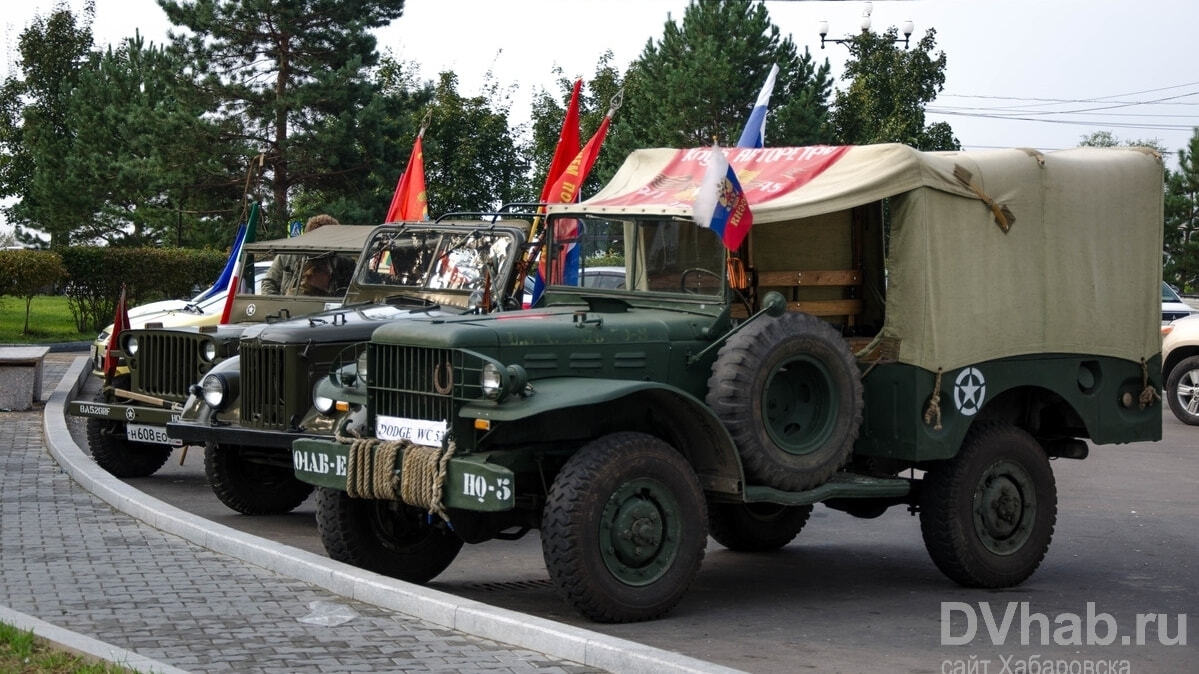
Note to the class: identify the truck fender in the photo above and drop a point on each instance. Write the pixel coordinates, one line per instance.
(685, 421)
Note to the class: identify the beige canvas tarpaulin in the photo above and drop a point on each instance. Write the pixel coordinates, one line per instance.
(1078, 272)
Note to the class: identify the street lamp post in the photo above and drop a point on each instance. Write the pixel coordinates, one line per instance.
(908, 27)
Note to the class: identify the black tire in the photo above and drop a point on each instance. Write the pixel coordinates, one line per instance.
(250, 487)
(755, 527)
(1182, 390)
(600, 565)
(386, 537)
(790, 393)
(987, 515)
(115, 453)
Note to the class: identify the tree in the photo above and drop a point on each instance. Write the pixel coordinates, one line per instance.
(35, 134)
(147, 163)
(696, 83)
(473, 162)
(1181, 233)
(27, 273)
(296, 74)
(888, 89)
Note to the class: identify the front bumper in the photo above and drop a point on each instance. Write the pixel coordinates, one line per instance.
(228, 434)
(471, 482)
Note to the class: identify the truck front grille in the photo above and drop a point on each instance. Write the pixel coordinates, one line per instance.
(263, 399)
(166, 364)
(418, 382)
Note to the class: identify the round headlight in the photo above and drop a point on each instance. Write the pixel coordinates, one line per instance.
(322, 404)
(214, 390)
(131, 345)
(362, 367)
(208, 351)
(492, 381)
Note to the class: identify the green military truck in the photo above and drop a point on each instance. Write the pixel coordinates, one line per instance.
(247, 410)
(126, 423)
(899, 328)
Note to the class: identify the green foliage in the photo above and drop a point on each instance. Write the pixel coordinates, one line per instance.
(296, 77)
(473, 162)
(36, 133)
(160, 273)
(21, 651)
(1181, 233)
(50, 321)
(699, 81)
(888, 89)
(26, 273)
(148, 165)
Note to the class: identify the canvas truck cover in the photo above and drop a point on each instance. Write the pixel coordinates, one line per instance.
(992, 254)
(339, 238)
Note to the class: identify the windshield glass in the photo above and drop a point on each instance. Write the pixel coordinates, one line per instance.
(1168, 294)
(424, 259)
(636, 256)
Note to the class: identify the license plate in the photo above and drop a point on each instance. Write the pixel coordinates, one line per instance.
(419, 431)
(152, 434)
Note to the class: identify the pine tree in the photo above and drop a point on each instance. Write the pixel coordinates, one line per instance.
(296, 74)
(698, 82)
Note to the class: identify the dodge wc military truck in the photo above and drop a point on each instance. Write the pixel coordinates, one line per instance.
(899, 328)
(126, 426)
(248, 409)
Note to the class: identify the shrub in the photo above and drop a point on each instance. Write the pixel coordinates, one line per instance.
(25, 273)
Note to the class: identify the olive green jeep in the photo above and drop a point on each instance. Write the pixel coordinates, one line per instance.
(899, 328)
(247, 410)
(126, 422)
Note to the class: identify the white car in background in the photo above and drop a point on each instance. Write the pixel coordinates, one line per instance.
(172, 314)
(1180, 368)
(1173, 308)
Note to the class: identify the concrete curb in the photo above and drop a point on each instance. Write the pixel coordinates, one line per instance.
(441, 608)
(84, 645)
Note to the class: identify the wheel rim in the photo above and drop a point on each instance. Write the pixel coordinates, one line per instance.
(1005, 508)
(1188, 392)
(639, 531)
(798, 406)
(396, 527)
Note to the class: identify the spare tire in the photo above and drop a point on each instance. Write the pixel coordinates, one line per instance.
(790, 394)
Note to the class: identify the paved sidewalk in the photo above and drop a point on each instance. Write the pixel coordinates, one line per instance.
(71, 560)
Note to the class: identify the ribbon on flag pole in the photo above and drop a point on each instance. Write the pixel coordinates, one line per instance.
(754, 134)
(720, 203)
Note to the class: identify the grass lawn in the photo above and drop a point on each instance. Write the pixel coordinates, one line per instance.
(22, 652)
(49, 321)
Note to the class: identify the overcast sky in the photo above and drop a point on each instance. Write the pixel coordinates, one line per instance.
(1027, 73)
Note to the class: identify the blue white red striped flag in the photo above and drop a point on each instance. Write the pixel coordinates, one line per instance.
(720, 203)
(754, 134)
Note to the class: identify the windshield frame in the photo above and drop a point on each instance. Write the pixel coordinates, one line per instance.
(641, 290)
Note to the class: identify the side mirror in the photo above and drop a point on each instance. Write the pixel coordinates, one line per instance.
(774, 304)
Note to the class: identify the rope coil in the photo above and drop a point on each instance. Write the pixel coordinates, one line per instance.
(933, 411)
(1149, 394)
(371, 472)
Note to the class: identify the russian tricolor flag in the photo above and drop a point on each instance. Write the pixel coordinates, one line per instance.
(720, 203)
(754, 134)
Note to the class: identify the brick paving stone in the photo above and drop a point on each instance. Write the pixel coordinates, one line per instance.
(70, 559)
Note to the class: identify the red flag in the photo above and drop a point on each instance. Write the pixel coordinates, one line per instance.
(566, 187)
(564, 191)
(120, 322)
(409, 201)
(568, 142)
